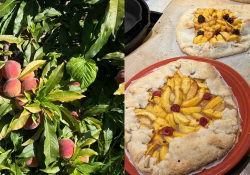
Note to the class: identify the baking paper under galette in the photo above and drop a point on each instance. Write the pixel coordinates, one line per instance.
(179, 118)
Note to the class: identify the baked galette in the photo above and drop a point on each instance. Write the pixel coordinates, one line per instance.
(214, 32)
(179, 118)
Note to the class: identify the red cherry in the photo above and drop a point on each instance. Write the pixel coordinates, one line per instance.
(175, 108)
(207, 96)
(203, 121)
(157, 93)
(167, 131)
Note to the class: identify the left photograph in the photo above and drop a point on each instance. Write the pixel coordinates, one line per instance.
(61, 87)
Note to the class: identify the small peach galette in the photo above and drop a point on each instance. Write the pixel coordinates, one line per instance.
(214, 32)
(179, 118)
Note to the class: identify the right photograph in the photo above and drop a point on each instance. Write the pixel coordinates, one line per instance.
(187, 92)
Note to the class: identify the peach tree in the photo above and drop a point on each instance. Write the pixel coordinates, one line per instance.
(62, 112)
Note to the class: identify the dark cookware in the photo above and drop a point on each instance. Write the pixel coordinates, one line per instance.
(133, 14)
(135, 36)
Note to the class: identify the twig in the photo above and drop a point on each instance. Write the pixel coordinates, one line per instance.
(6, 48)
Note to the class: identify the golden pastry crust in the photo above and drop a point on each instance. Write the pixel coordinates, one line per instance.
(194, 150)
(185, 34)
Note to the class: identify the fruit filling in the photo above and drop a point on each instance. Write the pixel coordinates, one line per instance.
(182, 106)
(213, 25)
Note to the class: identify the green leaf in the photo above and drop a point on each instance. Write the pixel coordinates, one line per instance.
(89, 138)
(121, 89)
(108, 135)
(90, 168)
(82, 70)
(55, 169)
(64, 96)
(8, 53)
(4, 155)
(19, 18)
(6, 7)
(4, 109)
(51, 12)
(103, 35)
(17, 141)
(28, 151)
(116, 15)
(9, 38)
(16, 169)
(7, 22)
(18, 123)
(33, 108)
(115, 56)
(39, 54)
(94, 121)
(72, 119)
(34, 65)
(53, 108)
(96, 110)
(34, 137)
(54, 78)
(51, 146)
(2, 167)
(87, 152)
(27, 54)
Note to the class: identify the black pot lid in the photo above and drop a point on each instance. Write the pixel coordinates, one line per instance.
(133, 14)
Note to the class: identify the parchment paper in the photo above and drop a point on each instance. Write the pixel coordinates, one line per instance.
(161, 44)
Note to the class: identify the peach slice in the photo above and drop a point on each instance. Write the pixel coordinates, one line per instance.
(181, 119)
(156, 155)
(163, 152)
(191, 110)
(220, 107)
(193, 90)
(145, 113)
(171, 121)
(144, 120)
(186, 83)
(213, 103)
(178, 95)
(169, 138)
(151, 148)
(178, 134)
(165, 100)
(195, 100)
(186, 129)
(213, 114)
(159, 112)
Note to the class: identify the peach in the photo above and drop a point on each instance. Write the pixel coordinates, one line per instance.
(11, 69)
(30, 124)
(30, 75)
(75, 114)
(18, 101)
(66, 148)
(1, 76)
(29, 84)
(75, 83)
(85, 159)
(12, 87)
(33, 162)
(120, 77)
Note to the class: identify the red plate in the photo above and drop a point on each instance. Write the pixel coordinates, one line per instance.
(241, 91)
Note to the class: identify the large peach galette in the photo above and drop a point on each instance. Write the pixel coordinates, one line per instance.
(214, 32)
(179, 118)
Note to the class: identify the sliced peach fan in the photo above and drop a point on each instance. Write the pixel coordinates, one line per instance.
(213, 25)
(182, 106)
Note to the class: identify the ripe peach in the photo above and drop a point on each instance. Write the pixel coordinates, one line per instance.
(30, 124)
(75, 114)
(18, 101)
(30, 75)
(33, 162)
(1, 76)
(29, 84)
(11, 69)
(120, 77)
(12, 87)
(85, 159)
(66, 148)
(75, 83)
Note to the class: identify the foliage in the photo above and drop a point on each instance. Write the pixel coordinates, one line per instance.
(64, 41)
